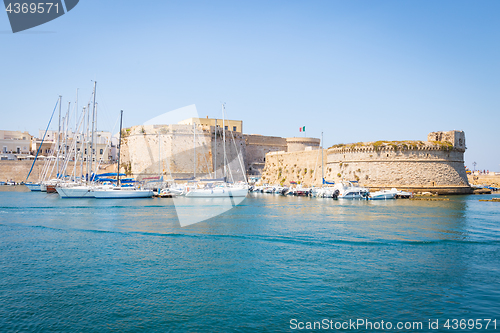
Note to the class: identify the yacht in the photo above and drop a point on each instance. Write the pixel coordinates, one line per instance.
(351, 190)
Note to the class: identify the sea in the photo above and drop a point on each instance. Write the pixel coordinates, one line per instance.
(270, 264)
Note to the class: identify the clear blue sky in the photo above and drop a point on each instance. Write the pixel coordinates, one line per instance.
(356, 70)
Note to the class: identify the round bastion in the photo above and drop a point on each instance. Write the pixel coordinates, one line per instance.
(302, 144)
(436, 166)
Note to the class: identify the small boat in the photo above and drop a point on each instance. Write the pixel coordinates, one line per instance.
(326, 192)
(382, 194)
(172, 191)
(300, 191)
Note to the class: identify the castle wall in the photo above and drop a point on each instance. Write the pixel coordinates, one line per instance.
(436, 165)
(257, 146)
(150, 150)
(18, 170)
(301, 144)
(430, 167)
(303, 167)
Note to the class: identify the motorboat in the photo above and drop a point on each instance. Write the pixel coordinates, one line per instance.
(383, 194)
(325, 192)
(350, 190)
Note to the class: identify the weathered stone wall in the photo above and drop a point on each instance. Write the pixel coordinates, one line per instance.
(150, 150)
(301, 144)
(303, 167)
(436, 166)
(257, 146)
(18, 170)
(429, 166)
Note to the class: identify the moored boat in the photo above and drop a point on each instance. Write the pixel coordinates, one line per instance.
(218, 191)
(382, 194)
(119, 192)
(34, 187)
(351, 190)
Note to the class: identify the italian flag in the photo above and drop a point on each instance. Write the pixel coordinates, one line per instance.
(302, 129)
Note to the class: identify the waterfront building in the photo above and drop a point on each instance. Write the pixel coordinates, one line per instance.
(14, 144)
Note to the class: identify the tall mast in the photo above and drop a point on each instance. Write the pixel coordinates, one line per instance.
(118, 150)
(87, 143)
(58, 137)
(84, 141)
(322, 171)
(92, 144)
(194, 150)
(95, 139)
(224, 140)
(66, 126)
(215, 155)
(76, 109)
(159, 155)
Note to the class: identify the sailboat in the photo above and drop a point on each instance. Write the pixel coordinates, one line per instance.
(218, 187)
(121, 192)
(82, 189)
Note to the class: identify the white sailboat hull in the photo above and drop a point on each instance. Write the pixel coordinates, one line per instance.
(224, 192)
(120, 193)
(75, 192)
(34, 187)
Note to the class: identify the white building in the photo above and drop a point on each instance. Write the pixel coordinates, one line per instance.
(14, 144)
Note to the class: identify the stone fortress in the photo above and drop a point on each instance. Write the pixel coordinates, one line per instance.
(192, 147)
(435, 165)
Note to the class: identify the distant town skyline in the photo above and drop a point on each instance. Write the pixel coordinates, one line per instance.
(357, 71)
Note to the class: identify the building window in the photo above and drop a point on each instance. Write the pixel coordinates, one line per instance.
(100, 152)
(18, 149)
(4, 149)
(225, 127)
(234, 128)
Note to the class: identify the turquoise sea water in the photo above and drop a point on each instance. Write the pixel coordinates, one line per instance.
(87, 265)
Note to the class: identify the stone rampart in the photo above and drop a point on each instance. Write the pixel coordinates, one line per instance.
(301, 144)
(303, 167)
(18, 170)
(426, 168)
(435, 166)
(176, 150)
(257, 146)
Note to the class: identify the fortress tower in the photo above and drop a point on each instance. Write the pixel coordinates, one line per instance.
(436, 165)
